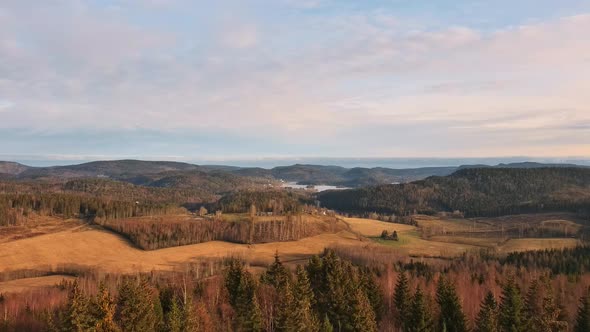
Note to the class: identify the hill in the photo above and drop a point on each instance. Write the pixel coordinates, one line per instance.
(112, 169)
(475, 192)
(12, 168)
(184, 175)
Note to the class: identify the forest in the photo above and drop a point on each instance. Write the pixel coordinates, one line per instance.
(330, 292)
(162, 232)
(483, 192)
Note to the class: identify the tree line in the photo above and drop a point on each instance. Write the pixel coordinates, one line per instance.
(16, 207)
(156, 233)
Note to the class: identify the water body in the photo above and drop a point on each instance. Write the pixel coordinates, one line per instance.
(316, 188)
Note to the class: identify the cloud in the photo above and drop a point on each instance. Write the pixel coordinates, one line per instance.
(241, 36)
(337, 78)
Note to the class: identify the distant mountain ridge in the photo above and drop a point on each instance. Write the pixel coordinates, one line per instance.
(179, 174)
(12, 168)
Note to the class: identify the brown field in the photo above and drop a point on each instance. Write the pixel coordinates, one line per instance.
(35, 226)
(537, 244)
(95, 247)
(92, 246)
(15, 286)
(369, 227)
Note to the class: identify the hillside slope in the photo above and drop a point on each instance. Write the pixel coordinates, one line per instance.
(474, 191)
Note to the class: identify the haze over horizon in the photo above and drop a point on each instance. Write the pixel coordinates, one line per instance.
(245, 81)
(399, 163)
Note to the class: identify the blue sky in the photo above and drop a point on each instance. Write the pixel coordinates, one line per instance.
(192, 80)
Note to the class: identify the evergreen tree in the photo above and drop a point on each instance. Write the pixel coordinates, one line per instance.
(363, 316)
(77, 316)
(511, 308)
(135, 306)
(249, 317)
(418, 317)
(174, 317)
(104, 308)
(541, 311)
(551, 313)
(233, 278)
(402, 300)
(487, 318)
(583, 318)
(277, 274)
(370, 287)
(254, 321)
(305, 319)
(451, 312)
(533, 307)
(285, 316)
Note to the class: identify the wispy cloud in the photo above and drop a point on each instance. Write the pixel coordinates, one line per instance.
(328, 79)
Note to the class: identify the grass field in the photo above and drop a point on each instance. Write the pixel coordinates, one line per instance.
(95, 247)
(19, 285)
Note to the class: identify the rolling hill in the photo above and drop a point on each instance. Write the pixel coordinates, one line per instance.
(475, 192)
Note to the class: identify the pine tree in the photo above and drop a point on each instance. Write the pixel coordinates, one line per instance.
(418, 317)
(77, 317)
(305, 319)
(533, 307)
(402, 300)
(583, 318)
(451, 312)
(285, 316)
(511, 307)
(135, 306)
(541, 311)
(233, 277)
(487, 319)
(174, 317)
(104, 308)
(370, 287)
(254, 321)
(551, 313)
(277, 274)
(249, 317)
(363, 316)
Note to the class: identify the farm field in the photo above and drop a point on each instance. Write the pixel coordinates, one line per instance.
(19, 285)
(93, 247)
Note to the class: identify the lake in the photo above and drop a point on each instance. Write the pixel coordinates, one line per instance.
(317, 188)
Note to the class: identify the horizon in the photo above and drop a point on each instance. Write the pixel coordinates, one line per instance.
(267, 163)
(247, 79)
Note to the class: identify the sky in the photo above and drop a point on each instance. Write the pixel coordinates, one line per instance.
(235, 80)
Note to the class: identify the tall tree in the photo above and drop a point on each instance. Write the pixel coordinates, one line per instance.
(277, 274)
(104, 308)
(135, 306)
(487, 318)
(174, 317)
(451, 312)
(370, 287)
(418, 316)
(363, 316)
(541, 310)
(511, 308)
(305, 318)
(285, 315)
(77, 316)
(402, 300)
